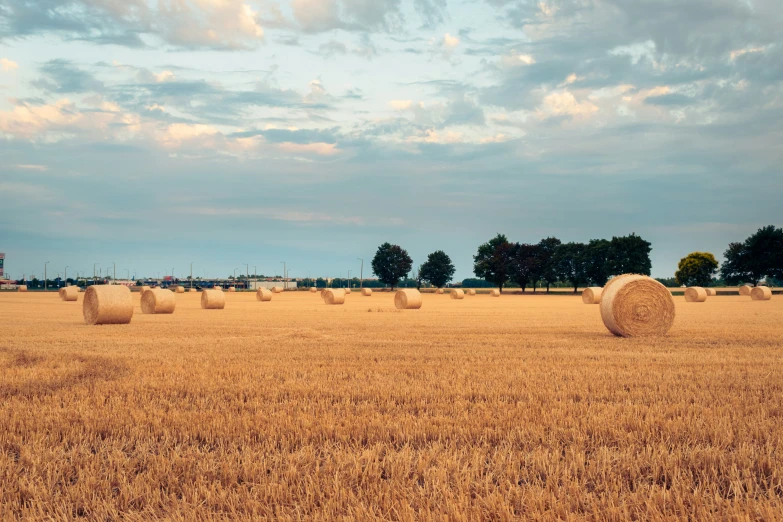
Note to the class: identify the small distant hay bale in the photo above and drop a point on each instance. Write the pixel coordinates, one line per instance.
(347, 291)
(637, 306)
(313, 289)
(439, 291)
(69, 293)
(745, 289)
(263, 294)
(277, 289)
(457, 293)
(695, 294)
(180, 289)
(213, 300)
(232, 289)
(192, 290)
(158, 302)
(761, 293)
(407, 299)
(218, 288)
(471, 292)
(21, 288)
(710, 292)
(334, 296)
(494, 292)
(366, 292)
(592, 295)
(108, 304)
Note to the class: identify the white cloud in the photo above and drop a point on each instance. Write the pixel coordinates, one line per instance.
(733, 55)
(515, 59)
(319, 149)
(165, 76)
(564, 103)
(8, 65)
(450, 42)
(401, 105)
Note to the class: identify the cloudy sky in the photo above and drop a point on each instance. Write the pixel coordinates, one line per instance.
(155, 133)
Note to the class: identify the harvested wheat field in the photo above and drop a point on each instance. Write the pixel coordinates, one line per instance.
(518, 407)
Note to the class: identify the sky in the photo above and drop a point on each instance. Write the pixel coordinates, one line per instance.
(158, 133)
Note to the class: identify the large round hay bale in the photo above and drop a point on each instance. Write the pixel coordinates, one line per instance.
(213, 300)
(745, 289)
(69, 293)
(21, 288)
(457, 293)
(471, 292)
(334, 296)
(144, 288)
(232, 289)
(710, 292)
(761, 293)
(107, 304)
(592, 295)
(313, 289)
(407, 299)
(158, 302)
(180, 289)
(494, 292)
(439, 291)
(636, 306)
(277, 289)
(347, 291)
(695, 294)
(366, 292)
(263, 294)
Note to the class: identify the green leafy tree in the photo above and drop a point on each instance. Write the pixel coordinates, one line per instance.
(438, 269)
(696, 269)
(629, 255)
(571, 263)
(759, 256)
(525, 264)
(597, 254)
(391, 263)
(548, 270)
(492, 261)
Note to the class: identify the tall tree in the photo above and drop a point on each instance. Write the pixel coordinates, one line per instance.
(546, 256)
(391, 263)
(598, 269)
(492, 262)
(736, 268)
(759, 256)
(571, 263)
(524, 264)
(630, 255)
(438, 269)
(696, 269)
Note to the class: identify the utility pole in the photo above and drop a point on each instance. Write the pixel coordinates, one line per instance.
(285, 286)
(45, 275)
(114, 272)
(191, 275)
(255, 277)
(65, 282)
(361, 273)
(247, 276)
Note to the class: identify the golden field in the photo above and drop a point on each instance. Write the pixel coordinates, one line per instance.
(518, 407)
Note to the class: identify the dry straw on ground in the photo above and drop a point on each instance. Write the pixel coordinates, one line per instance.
(637, 306)
(745, 289)
(761, 293)
(695, 294)
(158, 302)
(69, 293)
(457, 293)
(107, 304)
(213, 300)
(592, 295)
(407, 299)
(263, 294)
(494, 292)
(710, 291)
(334, 296)
(277, 289)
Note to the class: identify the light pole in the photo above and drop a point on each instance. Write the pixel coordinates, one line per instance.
(235, 277)
(361, 273)
(285, 286)
(65, 282)
(247, 276)
(191, 275)
(255, 277)
(113, 272)
(45, 275)
(172, 274)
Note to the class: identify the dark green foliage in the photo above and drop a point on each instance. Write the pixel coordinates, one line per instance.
(759, 256)
(525, 264)
(493, 261)
(391, 263)
(571, 263)
(696, 269)
(472, 282)
(546, 260)
(629, 255)
(437, 270)
(598, 269)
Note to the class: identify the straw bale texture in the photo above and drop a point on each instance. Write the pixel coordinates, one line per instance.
(347, 291)
(334, 296)
(21, 288)
(158, 302)
(213, 300)
(232, 289)
(695, 294)
(592, 295)
(144, 289)
(107, 304)
(494, 292)
(263, 294)
(313, 289)
(761, 293)
(710, 291)
(471, 292)
(366, 292)
(745, 289)
(457, 293)
(407, 299)
(636, 306)
(439, 291)
(69, 293)
(277, 289)
(192, 290)
(180, 289)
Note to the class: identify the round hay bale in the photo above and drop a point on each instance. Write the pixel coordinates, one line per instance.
(347, 291)
(710, 292)
(637, 306)
(69, 293)
(471, 292)
(277, 289)
(192, 290)
(218, 288)
(21, 288)
(263, 294)
(366, 292)
(407, 299)
(695, 294)
(334, 296)
(180, 289)
(158, 302)
(592, 295)
(494, 292)
(745, 289)
(439, 291)
(761, 293)
(107, 304)
(313, 289)
(232, 289)
(457, 293)
(213, 300)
